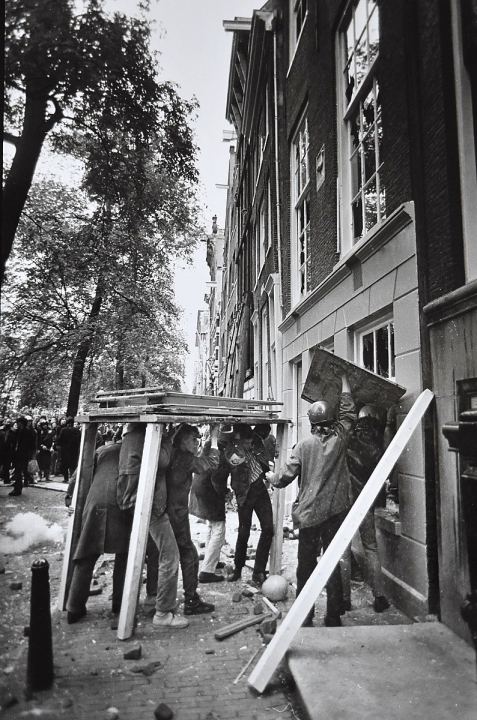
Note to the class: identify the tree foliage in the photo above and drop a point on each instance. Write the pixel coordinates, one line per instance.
(88, 300)
(66, 249)
(89, 82)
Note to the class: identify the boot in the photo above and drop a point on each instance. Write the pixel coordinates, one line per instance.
(235, 575)
(197, 606)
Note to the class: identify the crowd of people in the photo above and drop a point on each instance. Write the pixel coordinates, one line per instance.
(193, 476)
(34, 449)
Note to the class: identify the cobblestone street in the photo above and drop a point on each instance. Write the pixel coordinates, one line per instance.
(188, 670)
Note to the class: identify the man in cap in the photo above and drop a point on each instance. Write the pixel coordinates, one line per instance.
(249, 461)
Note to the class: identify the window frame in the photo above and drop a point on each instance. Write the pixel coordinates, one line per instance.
(383, 321)
(295, 9)
(300, 204)
(355, 179)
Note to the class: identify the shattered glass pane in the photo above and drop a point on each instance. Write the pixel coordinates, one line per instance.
(370, 205)
(382, 352)
(357, 210)
(369, 153)
(368, 351)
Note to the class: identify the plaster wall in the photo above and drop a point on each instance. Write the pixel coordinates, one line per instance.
(389, 286)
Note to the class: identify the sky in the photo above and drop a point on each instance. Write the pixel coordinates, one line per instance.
(195, 53)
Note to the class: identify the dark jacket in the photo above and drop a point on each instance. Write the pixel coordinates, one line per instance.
(45, 439)
(240, 474)
(23, 446)
(104, 527)
(130, 466)
(69, 441)
(320, 461)
(365, 449)
(208, 492)
(179, 481)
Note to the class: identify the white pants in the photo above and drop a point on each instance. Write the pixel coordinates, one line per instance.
(215, 540)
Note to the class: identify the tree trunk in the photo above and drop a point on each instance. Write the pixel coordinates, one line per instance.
(19, 179)
(83, 352)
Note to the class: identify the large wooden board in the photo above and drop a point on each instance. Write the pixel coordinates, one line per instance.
(280, 643)
(323, 382)
(137, 542)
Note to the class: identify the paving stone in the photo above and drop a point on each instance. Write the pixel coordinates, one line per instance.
(134, 653)
(163, 712)
(268, 627)
(236, 597)
(258, 608)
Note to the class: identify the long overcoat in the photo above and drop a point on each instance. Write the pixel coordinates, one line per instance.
(105, 527)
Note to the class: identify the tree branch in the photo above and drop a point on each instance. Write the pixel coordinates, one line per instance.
(9, 138)
(57, 115)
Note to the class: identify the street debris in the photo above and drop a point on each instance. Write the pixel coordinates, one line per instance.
(246, 666)
(163, 712)
(134, 653)
(239, 625)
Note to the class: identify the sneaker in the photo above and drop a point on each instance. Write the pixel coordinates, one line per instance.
(332, 621)
(220, 565)
(14, 493)
(381, 603)
(169, 620)
(235, 575)
(206, 577)
(197, 607)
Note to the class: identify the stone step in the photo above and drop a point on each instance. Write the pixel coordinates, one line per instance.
(417, 671)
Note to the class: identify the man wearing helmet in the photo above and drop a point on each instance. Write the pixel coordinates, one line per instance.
(365, 449)
(324, 492)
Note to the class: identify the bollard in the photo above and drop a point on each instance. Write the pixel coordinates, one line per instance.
(40, 648)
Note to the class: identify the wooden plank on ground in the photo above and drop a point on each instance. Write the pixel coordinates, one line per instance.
(278, 504)
(84, 477)
(323, 382)
(239, 625)
(140, 529)
(278, 646)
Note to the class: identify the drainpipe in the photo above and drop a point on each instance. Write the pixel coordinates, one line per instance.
(277, 183)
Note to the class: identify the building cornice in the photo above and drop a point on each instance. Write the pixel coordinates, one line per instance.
(364, 249)
(452, 304)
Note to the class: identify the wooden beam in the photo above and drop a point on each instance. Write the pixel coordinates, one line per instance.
(140, 529)
(151, 415)
(239, 625)
(280, 643)
(84, 477)
(278, 506)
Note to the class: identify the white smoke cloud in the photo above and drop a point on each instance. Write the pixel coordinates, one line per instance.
(28, 529)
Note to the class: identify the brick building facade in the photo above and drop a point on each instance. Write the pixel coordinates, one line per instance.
(351, 225)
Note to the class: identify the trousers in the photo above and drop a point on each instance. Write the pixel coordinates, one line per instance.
(373, 574)
(168, 563)
(258, 501)
(310, 541)
(81, 581)
(213, 544)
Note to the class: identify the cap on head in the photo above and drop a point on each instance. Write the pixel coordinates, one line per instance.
(320, 411)
(262, 431)
(244, 432)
